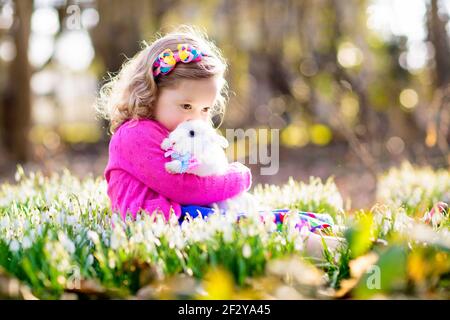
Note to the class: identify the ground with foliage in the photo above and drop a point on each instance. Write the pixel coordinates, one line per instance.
(57, 242)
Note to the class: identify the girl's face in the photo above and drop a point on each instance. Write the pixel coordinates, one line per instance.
(190, 100)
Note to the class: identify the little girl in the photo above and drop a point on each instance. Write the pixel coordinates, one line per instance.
(151, 95)
(178, 77)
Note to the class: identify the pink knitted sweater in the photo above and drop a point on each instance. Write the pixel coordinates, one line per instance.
(137, 178)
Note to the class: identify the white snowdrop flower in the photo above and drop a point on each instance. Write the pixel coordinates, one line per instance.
(158, 227)
(173, 220)
(35, 219)
(228, 234)
(148, 235)
(299, 244)
(7, 235)
(66, 242)
(59, 218)
(176, 240)
(14, 245)
(77, 227)
(386, 226)
(18, 176)
(52, 212)
(437, 218)
(200, 235)
(32, 234)
(70, 207)
(116, 219)
(90, 260)
(186, 226)
(117, 240)
(114, 242)
(45, 217)
(17, 224)
(128, 219)
(138, 238)
(26, 242)
(71, 220)
(103, 233)
(402, 221)
(25, 224)
(40, 230)
(246, 251)
(4, 222)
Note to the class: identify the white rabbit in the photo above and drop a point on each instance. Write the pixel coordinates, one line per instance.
(195, 147)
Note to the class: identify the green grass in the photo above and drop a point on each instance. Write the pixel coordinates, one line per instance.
(56, 239)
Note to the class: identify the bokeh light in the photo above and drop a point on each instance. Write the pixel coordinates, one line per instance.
(74, 50)
(90, 18)
(7, 50)
(295, 136)
(349, 55)
(45, 21)
(320, 134)
(409, 98)
(41, 49)
(349, 107)
(395, 145)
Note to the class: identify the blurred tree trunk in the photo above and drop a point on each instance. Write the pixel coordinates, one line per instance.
(439, 38)
(325, 58)
(115, 38)
(368, 116)
(439, 116)
(118, 35)
(266, 65)
(16, 119)
(380, 125)
(119, 32)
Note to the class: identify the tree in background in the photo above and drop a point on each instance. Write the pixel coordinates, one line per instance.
(16, 98)
(439, 118)
(311, 68)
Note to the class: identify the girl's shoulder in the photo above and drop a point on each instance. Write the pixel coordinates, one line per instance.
(140, 129)
(133, 142)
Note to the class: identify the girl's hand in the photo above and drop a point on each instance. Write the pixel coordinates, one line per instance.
(237, 167)
(174, 166)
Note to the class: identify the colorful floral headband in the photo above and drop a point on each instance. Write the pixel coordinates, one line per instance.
(167, 60)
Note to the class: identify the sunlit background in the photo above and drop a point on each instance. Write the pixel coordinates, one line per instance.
(354, 86)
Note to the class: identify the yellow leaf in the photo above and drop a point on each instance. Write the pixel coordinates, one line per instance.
(218, 285)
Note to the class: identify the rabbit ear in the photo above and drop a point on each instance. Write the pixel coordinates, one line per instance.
(221, 141)
(166, 144)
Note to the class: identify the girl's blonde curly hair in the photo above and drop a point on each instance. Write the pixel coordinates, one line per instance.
(133, 91)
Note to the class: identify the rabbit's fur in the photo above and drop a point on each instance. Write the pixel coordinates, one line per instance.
(199, 139)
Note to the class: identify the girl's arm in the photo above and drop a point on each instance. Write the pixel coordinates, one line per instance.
(138, 151)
